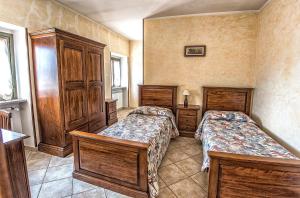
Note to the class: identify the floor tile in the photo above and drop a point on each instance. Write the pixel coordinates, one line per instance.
(38, 155)
(36, 177)
(198, 158)
(166, 193)
(35, 190)
(123, 113)
(181, 139)
(111, 194)
(27, 153)
(172, 146)
(192, 149)
(171, 174)
(165, 162)
(201, 178)
(173, 149)
(37, 164)
(176, 156)
(187, 188)
(58, 172)
(95, 193)
(189, 140)
(189, 166)
(57, 189)
(178, 143)
(161, 183)
(58, 161)
(80, 186)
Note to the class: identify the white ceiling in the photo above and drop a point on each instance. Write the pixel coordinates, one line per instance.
(126, 16)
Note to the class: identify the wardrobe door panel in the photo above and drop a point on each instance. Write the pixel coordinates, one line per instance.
(94, 70)
(74, 68)
(96, 108)
(97, 119)
(75, 110)
(94, 101)
(74, 83)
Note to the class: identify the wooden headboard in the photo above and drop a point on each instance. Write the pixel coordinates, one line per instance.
(227, 99)
(158, 95)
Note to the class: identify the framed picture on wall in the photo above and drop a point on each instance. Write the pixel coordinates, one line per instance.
(195, 50)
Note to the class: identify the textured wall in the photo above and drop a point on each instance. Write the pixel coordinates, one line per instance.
(41, 14)
(230, 41)
(136, 71)
(277, 93)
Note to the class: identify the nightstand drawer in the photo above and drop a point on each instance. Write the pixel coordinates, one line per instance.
(110, 122)
(112, 107)
(187, 119)
(111, 112)
(113, 116)
(184, 112)
(186, 128)
(187, 123)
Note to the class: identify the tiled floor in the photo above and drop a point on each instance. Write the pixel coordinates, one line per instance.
(179, 174)
(123, 113)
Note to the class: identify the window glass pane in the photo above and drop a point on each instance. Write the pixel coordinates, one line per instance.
(117, 73)
(6, 85)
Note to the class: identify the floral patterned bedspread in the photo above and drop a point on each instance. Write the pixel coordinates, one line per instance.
(152, 125)
(235, 132)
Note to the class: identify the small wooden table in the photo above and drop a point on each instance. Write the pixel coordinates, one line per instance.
(187, 119)
(13, 170)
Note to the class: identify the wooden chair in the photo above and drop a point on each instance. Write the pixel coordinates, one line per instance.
(5, 120)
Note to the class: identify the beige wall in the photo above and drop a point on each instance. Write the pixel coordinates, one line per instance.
(277, 93)
(41, 14)
(136, 71)
(230, 41)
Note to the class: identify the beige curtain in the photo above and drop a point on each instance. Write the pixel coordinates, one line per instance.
(6, 85)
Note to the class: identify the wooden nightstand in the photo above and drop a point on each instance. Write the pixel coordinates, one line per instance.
(111, 112)
(187, 119)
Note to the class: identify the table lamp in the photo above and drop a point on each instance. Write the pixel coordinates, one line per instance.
(186, 93)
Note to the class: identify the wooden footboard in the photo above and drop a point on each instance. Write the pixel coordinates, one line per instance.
(233, 175)
(111, 163)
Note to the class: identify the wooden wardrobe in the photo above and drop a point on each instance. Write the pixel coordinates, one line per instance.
(69, 87)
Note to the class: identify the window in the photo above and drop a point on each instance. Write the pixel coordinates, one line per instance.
(116, 71)
(8, 89)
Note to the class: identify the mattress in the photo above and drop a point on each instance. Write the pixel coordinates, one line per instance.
(235, 132)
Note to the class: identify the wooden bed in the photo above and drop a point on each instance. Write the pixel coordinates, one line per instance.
(234, 175)
(115, 164)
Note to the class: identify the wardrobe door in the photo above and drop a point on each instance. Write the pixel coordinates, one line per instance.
(95, 79)
(73, 71)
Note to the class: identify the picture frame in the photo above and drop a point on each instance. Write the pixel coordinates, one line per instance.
(195, 51)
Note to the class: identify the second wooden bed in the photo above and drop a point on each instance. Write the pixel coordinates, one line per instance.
(247, 176)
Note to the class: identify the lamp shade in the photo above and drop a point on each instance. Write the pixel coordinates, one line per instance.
(186, 92)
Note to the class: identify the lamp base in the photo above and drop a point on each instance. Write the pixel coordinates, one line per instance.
(186, 103)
